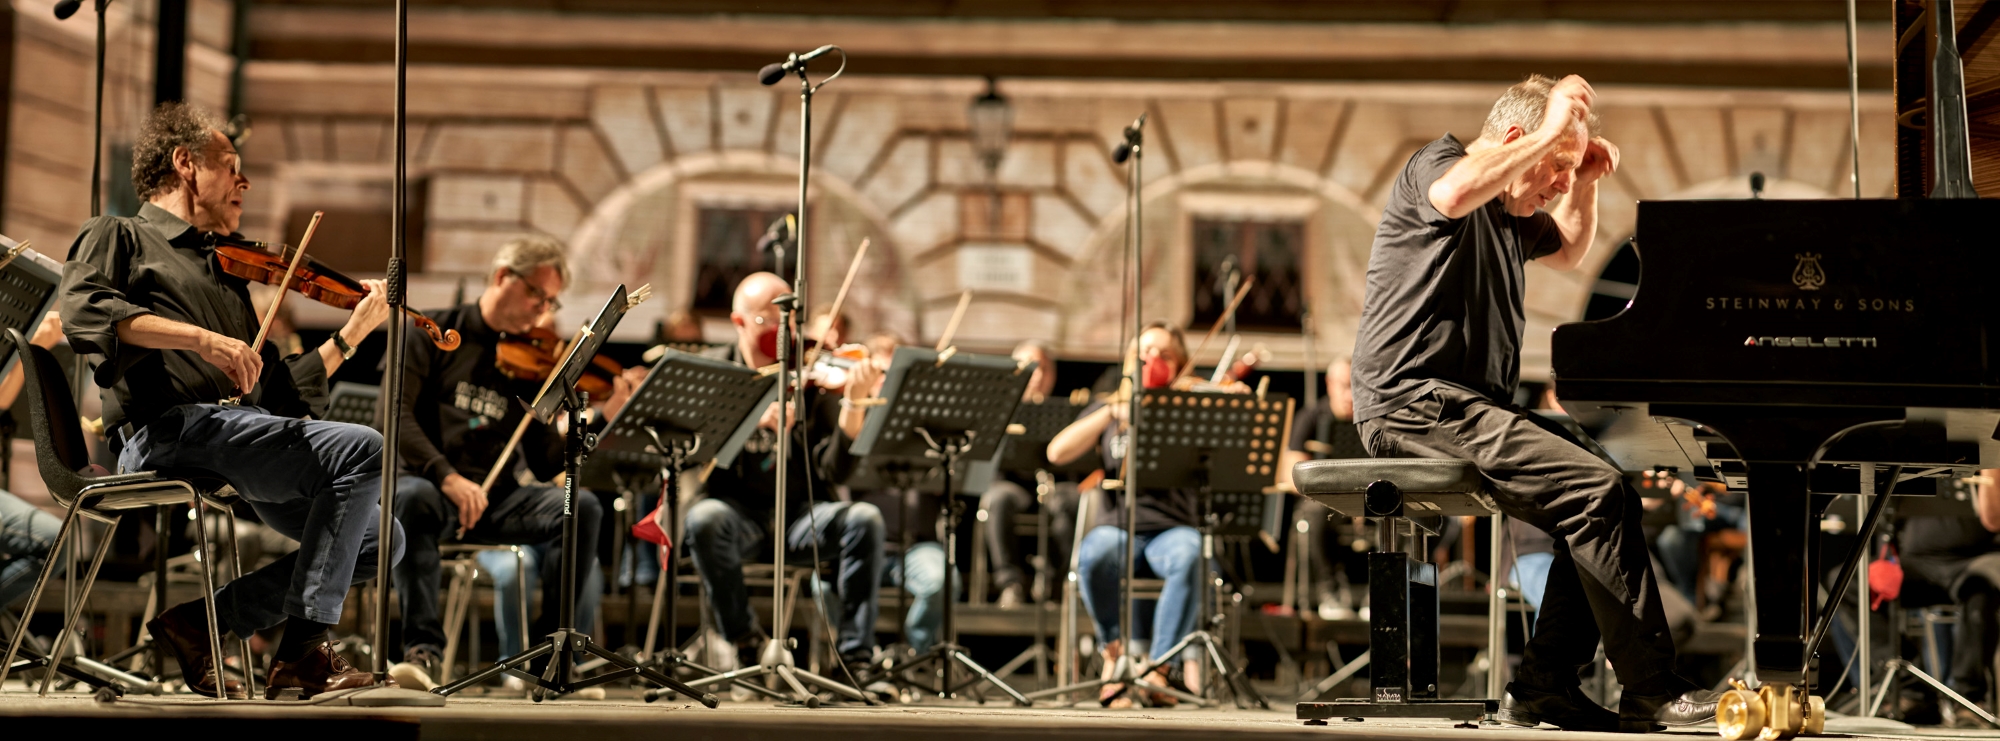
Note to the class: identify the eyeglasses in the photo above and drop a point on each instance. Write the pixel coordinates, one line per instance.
(537, 293)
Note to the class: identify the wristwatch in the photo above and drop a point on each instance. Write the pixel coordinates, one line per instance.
(346, 350)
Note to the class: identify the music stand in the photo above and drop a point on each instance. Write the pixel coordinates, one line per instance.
(355, 403)
(1025, 454)
(689, 410)
(1223, 444)
(941, 409)
(563, 646)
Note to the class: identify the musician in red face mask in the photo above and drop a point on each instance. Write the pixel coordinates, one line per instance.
(1169, 545)
(733, 520)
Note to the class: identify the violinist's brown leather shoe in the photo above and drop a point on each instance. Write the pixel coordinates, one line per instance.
(183, 629)
(320, 670)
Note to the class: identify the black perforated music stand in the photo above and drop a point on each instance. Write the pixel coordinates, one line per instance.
(355, 403)
(939, 411)
(1227, 446)
(689, 410)
(567, 642)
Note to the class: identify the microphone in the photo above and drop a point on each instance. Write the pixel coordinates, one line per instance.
(770, 74)
(1756, 185)
(67, 8)
(1124, 149)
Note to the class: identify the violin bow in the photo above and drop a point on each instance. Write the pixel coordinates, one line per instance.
(839, 297)
(632, 300)
(264, 327)
(1227, 312)
(271, 313)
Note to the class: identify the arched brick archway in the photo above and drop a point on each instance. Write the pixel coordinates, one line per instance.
(643, 232)
(1339, 229)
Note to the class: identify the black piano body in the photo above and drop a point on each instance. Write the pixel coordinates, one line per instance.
(1778, 346)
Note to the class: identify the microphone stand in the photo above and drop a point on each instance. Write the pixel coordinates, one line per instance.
(396, 364)
(63, 11)
(1129, 670)
(792, 407)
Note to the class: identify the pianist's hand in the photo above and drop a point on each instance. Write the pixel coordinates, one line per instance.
(1599, 160)
(1569, 102)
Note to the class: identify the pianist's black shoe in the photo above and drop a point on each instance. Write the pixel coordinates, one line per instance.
(1645, 713)
(1567, 709)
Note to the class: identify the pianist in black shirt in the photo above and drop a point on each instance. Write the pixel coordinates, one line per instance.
(1437, 359)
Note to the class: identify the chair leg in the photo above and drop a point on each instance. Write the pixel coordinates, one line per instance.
(236, 568)
(74, 612)
(521, 588)
(208, 595)
(35, 596)
(457, 603)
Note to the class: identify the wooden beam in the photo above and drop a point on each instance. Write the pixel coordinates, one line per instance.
(1974, 36)
(1724, 75)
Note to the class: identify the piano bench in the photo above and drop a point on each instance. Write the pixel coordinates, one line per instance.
(1403, 626)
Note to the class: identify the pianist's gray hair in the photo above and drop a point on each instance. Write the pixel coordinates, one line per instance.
(529, 252)
(174, 125)
(1523, 106)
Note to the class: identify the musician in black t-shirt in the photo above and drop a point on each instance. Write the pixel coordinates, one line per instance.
(1436, 362)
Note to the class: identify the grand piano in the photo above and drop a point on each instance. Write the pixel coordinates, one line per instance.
(1838, 345)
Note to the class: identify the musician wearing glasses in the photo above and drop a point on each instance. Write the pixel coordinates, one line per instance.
(147, 292)
(459, 409)
(1436, 362)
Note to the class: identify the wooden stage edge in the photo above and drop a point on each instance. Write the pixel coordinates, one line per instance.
(488, 719)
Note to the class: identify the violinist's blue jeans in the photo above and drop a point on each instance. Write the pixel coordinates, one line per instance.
(316, 482)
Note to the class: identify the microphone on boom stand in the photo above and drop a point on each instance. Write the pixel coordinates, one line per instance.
(1123, 151)
(771, 73)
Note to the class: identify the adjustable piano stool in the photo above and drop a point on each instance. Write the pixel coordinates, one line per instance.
(1403, 591)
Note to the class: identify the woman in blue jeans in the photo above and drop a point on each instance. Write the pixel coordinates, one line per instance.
(1168, 546)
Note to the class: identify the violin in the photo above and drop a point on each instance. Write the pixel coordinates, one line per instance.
(260, 263)
(533, 356)
(831, 368)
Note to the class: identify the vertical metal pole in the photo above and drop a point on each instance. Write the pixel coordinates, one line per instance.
(392, 381)
(1137, 381)
(1863, 615)
(1496, 608)
(1853, 112)
(97, 132)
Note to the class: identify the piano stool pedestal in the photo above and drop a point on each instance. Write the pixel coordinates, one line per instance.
(1399, 494)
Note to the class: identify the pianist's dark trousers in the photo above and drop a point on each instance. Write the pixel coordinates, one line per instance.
(1601, 584)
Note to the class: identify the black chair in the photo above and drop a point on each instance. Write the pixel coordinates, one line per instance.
(64, 460)
(1405, 496)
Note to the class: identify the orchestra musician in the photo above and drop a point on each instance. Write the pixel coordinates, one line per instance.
(147, 293)
(1168, 518)
(1320, 432)
(459, 409)
(1012, 494)
(1436, 362)
(732, 519)
(1960, 557)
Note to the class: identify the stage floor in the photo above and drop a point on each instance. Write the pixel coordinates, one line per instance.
(75, 715)
(627, 717)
